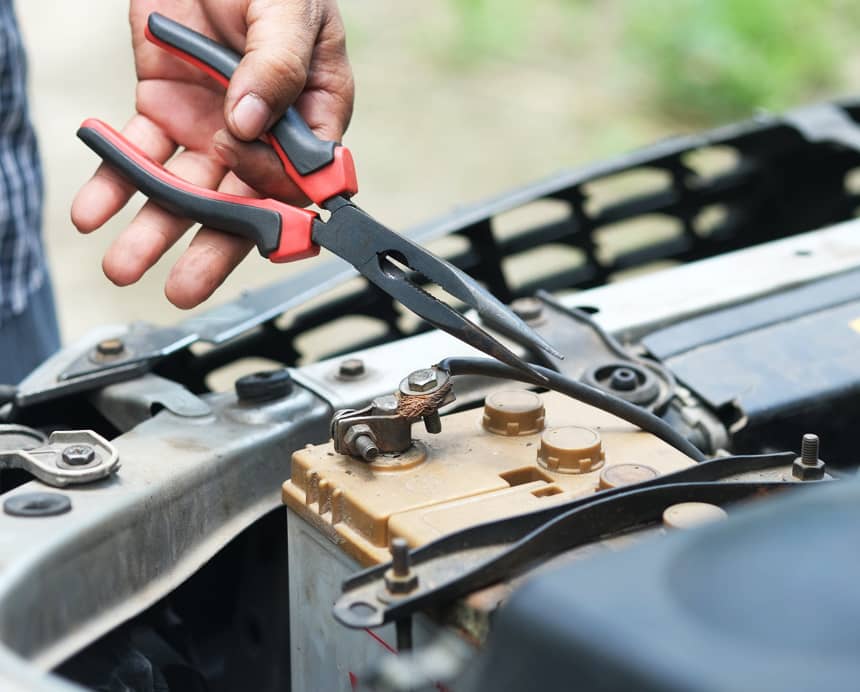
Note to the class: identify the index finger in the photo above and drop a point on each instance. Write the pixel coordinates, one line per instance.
(107, 192)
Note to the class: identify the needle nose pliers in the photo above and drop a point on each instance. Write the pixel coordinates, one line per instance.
(325, 172)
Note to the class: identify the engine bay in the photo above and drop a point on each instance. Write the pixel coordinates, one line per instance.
(387, 511)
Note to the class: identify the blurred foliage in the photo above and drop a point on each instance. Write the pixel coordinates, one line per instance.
(718, 60)
(702, 61)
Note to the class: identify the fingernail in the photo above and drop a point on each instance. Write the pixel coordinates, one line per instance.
(224, 151)
(250, 116)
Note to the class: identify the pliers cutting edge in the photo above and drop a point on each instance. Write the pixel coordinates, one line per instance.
(324, 171)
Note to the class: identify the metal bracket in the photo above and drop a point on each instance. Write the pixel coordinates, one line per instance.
(125, 404)
(68, 457)
(470, 559)
(597, 358)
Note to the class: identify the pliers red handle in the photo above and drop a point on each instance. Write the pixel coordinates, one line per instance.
(324, 171)
(282, 232)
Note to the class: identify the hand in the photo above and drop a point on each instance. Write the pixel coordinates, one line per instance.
(294, 53)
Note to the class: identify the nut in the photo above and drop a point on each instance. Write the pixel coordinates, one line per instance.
(422, 380)
(401, 578)
(400, 584)
(807, 472)
(79, 455)
(360, 441)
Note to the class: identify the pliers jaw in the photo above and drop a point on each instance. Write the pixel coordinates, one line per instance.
(385, 258)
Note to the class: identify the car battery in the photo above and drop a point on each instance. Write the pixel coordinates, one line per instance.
(521, 452)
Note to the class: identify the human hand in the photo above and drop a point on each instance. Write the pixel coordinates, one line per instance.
(294, 52)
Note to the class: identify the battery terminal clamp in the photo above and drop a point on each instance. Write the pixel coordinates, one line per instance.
(385, 426)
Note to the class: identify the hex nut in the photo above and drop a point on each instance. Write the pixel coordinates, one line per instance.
(422, 380)
(808, 472)
(400, 584)
(79, 455)
(353, 433)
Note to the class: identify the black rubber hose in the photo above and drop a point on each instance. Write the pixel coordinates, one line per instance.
(587, 394)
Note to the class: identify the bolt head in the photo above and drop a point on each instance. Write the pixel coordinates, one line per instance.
(527, 309)
(79, 455)
(110, 347)
(422, 380)
(808, 472)
(351, 367)
(385, 405)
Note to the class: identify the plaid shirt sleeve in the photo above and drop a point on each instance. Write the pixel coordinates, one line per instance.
(22, 258)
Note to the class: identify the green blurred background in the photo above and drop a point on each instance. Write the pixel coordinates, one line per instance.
(456, 100)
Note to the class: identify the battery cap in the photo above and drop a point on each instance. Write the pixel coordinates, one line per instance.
(571, 449)
(513, 412)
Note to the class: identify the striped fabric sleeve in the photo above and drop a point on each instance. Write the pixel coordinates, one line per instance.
(22, 258)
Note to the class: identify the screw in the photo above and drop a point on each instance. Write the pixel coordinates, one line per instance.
(79, 455)
(527, 309)
(351, 367)
(110, 347)
(400, 579)
(366, 447)
(422, 380)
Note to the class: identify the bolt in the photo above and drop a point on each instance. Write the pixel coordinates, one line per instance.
(400, 578)
(110, 347)
(351, 367)
(809, 449)
(365, 447)
(400, 557)
(623, 380)
(422, 380)
(433, 423)
(79, 455)
(808, 467)
(527, 309)
(385, 405)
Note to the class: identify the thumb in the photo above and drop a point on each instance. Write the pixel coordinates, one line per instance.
(272, 73)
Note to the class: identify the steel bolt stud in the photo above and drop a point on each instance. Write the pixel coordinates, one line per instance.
(433, 423)
(400, 579)
(79, 455)
(809, 449)
(366, 447)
